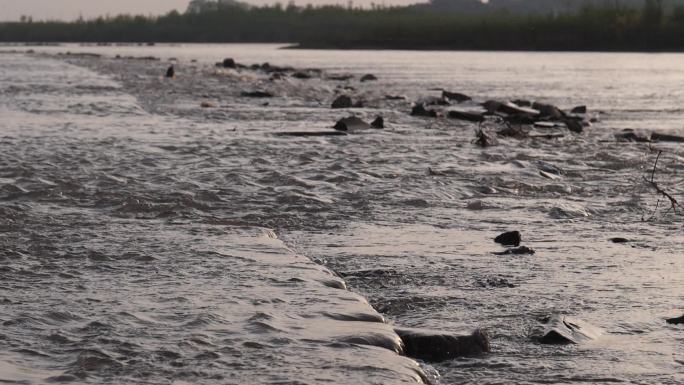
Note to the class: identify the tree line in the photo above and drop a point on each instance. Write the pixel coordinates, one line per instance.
(610, 26)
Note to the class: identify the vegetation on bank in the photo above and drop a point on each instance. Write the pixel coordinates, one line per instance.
(613, 27)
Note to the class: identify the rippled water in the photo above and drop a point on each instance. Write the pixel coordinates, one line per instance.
(139, 230)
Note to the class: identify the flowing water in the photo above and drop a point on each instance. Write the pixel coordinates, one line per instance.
(148, 240)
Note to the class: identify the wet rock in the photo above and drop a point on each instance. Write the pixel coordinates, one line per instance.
(522, 250)
(420, 110)
(619, 240)
(351, 123)
(514, 131)
(395, 97)
(342, 101)
(579, 110)
(340, 77)
(256, 94)
(301, 75)
(207, 104)
(485, 139)
(455, 96)
(522, 102)
(666, 138)
(574, 125)
(171, 72)
(510, 238)
(229, 63)
(383, 340)
(434, 101)
(368, 78)
(676, 321)
(435, 346)
(379, 122)
(470, 116)
(563, 330)
(548, 111)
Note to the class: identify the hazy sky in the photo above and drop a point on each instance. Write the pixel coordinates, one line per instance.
(71, 9)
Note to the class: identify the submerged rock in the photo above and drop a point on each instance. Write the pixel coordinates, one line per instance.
(368, 78)
(466, 115)
(438, 346)
(455, 96)
(510, 238)
(676, 321)
(256, 94)
(419, 110)
(522, 250)
(395, 97)
(342, 101)
(351, 123)
(301, 75)
(548, 111)
(563, 330)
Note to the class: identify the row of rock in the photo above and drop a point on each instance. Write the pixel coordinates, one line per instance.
(278, 72)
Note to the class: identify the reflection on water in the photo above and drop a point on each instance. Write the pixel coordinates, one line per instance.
(132, 220)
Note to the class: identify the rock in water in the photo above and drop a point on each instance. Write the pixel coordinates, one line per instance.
(436, 346)
(522, 250)
(466, 115)
(563, 330)
(676, 321)
(229, 63)
(579, 110)
(379, 122)
(256, 94)
(574, 125)
(170, 72)
(342, 101)
(368, 77)
(511, 238)
(419, 110)
(485, 139)
(351, 123)
(456, 96)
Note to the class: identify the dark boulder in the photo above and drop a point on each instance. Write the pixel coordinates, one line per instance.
(579, 110)
(455, 96)
(170, 72)
(379, 122)
(419, 110)
(351, 123)
(342, 101)
(511, 238)
(436, 346)
(676, 321)
(229, 63)
(256, 94)
(563, 330)
(471, 116)
(368, 78)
